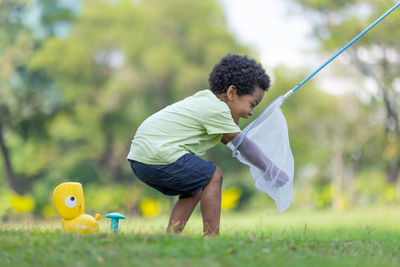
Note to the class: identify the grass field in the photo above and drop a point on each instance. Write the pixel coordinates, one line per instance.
(368, 237)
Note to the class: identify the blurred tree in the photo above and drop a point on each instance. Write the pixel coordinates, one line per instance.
(27, 98)
(123, 61)
(376, 57)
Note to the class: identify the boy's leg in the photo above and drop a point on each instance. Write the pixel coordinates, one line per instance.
(211, 204)
(181, 212)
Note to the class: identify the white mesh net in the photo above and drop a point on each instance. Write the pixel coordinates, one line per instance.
(269, 133)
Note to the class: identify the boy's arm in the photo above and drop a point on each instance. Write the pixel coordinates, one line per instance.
(256, 157)
(248, 150)
(226, 138)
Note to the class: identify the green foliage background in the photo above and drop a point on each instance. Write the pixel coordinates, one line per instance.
(78, 80)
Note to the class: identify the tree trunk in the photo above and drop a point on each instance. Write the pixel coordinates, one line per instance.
(112, 157)
(392, 125)
(337, 169)
(392, 172)
(7, 163)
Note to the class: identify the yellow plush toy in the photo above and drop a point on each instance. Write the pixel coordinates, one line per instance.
(70, 204)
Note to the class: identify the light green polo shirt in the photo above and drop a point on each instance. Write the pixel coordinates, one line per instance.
(192, 125)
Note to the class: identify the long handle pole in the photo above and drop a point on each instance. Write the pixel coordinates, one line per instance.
(341, 50)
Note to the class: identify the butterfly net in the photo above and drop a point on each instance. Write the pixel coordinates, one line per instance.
(269, 132)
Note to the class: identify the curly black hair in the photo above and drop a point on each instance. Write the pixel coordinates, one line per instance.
(240, 71)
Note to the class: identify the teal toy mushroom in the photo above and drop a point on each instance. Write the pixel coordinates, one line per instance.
(115, 216)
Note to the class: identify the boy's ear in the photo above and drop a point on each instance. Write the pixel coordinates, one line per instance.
(231, 92)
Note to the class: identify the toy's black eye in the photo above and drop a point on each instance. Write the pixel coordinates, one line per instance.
(70, 201)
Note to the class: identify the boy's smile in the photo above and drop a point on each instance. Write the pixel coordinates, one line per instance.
(242, 106)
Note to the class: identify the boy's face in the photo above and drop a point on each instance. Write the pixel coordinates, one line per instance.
(242, 106)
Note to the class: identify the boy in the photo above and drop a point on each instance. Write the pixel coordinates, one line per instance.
(164, 152)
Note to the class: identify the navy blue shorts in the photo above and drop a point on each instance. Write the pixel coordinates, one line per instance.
(185, 177)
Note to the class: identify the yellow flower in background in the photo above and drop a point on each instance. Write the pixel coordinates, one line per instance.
(390, 194)
(230, 198)
(340, 203)
(23, 203)
(324, 197)
(150, 208)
